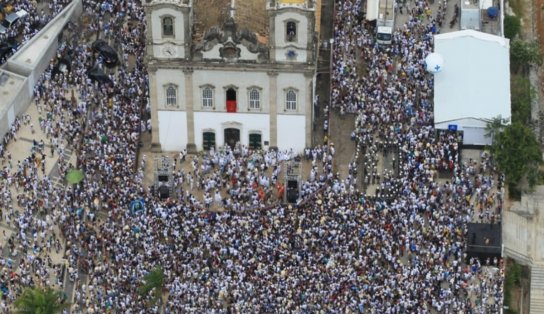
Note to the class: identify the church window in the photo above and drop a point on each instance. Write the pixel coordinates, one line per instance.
(254, 99)
(291, 31)
(171, 99)
(291, 100)
(167, 26)
(207, 97)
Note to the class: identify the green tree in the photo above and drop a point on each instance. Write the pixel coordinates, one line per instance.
(153, 282)
(520, 97)
(516, 153)
(524, 54)
(512, 26)
(40, 301)
(494, 126)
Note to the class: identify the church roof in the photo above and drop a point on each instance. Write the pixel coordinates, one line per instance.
(248, 14)
(292, 1)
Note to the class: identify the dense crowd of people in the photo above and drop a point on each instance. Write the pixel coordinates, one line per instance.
(393, 103)
(226, 241)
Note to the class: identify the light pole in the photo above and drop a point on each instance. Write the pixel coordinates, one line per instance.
(331, 41)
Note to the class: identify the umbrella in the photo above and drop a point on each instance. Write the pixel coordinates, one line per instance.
(74, 176)
(434, 63)
(492, 12)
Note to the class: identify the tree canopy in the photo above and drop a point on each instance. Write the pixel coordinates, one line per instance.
(153, 282)
(521, 96)
(512, 26)
(40, 301)
(523, 54)
(516, 153)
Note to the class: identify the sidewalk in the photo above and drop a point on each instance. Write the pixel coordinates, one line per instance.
(21, 149)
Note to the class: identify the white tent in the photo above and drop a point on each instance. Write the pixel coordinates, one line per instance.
(475, 81)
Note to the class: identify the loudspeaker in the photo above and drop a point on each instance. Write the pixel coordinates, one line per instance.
(292, 191)
(164, 192)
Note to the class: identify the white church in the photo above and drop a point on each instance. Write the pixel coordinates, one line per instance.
(223, 72)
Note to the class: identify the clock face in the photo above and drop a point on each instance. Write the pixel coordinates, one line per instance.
(169, 51)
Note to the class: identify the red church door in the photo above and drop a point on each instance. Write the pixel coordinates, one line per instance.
(231, 100)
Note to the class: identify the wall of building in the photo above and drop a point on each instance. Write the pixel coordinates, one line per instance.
(474, 130)
(240, 79)
(292, 80)
(22, 100)
(177, 40)
(172, 130)
(516, 235)
(301, 43)
(470, 19)
(171, 76)
(215, 53)
(523, 228)
(8, 115)
(290, 124)
(292, 133)
(218, 121)
(42, 47)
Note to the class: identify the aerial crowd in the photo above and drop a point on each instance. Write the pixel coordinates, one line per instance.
(226, 242)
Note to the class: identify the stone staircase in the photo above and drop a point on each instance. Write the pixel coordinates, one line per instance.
(537, 289)
(55, 176)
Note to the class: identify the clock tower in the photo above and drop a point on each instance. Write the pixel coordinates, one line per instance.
(292, 30)
(169, 28)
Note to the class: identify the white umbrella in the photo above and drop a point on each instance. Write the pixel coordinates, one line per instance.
(434, 63)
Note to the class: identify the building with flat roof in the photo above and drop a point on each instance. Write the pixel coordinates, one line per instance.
(522, 233)
(223, 72)
(22, 70)
(12, 93)
(474, 84)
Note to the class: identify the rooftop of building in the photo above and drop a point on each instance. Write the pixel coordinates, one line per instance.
(32, 51)
(248, 14)
(296, 3)
(10, 85)
(470, 4)
(475, 78)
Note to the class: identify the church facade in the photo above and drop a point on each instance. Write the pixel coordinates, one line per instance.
(223, 72)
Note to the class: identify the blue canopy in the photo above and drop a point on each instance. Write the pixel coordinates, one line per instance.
(492, 12)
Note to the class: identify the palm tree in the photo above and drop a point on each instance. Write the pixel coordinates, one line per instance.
(40, 301)
(153, 282)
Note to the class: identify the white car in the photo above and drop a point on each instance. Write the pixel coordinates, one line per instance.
(11, 19)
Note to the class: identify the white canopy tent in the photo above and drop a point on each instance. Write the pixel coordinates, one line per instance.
(474, 81)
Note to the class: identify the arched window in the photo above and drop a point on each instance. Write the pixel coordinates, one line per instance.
(207, 97)
(254, 99)
(291, 31)
(167, 26)
(291, 100)
(171, 96)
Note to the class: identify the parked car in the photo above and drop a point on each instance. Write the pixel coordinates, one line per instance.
(109, 54)
(11, 19)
